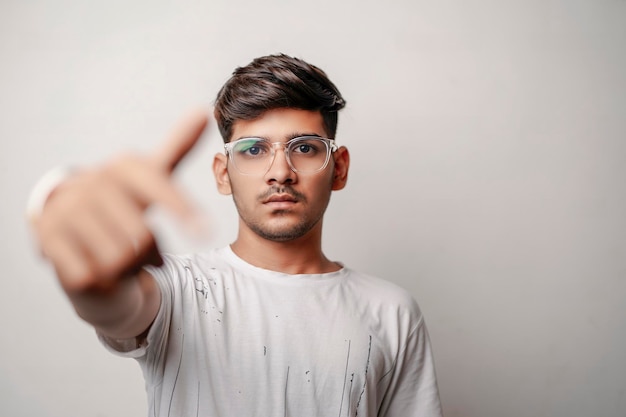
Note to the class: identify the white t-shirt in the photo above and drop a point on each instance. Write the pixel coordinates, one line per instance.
(231, 339)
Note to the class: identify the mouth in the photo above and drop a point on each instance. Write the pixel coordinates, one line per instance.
(280, 198)
(280, 202)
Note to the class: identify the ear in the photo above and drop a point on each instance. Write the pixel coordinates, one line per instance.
(220, 170)
(342, 163)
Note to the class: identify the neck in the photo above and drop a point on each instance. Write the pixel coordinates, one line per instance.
(298, 256)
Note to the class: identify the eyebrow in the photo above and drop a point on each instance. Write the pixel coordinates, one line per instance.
(287, 137)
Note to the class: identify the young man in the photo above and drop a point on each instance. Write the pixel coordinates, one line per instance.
(268, 326)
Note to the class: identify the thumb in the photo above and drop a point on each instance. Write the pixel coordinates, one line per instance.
(181, 140)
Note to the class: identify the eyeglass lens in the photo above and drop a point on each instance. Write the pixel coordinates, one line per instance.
(254, 156)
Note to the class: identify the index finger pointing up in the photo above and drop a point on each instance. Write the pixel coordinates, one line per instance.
(182, 138)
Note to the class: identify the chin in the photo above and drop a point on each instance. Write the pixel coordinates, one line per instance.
(282, 234)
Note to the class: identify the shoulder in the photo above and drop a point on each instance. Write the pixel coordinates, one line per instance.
(177, 268)
(379, 288)
(212, 258)
(383, 295)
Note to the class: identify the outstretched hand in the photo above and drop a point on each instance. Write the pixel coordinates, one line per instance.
(93, 227)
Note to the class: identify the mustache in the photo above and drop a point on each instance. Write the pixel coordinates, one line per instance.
(283, 189)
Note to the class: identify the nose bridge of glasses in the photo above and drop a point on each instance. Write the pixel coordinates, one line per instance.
(283, 146)
(279, 145)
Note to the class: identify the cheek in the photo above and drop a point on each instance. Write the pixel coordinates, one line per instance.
(330, 179)
(239, 190)
(323, 185)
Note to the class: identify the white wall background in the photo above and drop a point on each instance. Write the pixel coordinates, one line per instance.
(489, 159)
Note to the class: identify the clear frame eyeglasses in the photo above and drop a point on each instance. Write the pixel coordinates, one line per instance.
(305, 154)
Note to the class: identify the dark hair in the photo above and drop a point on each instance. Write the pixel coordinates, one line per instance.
(274, 82)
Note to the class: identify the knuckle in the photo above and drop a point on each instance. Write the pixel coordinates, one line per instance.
(73, 278)
(71, 197)
(79, 283)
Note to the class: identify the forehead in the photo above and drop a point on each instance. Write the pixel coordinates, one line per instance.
(280, 125)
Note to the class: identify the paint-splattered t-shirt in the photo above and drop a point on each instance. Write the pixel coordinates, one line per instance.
(231, 339)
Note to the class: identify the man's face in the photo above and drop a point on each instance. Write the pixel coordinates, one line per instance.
(281, 205)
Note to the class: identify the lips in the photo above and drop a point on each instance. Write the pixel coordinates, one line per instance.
(280, 198)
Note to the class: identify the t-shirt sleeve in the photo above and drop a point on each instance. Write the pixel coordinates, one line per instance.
(413, 391)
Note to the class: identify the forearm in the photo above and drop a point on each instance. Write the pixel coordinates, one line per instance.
(124, 311)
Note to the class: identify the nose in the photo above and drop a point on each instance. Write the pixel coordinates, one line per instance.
(280, 171)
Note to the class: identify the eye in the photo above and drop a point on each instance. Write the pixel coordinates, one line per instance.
(304, 148)
(251, 148)
(308, 147)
